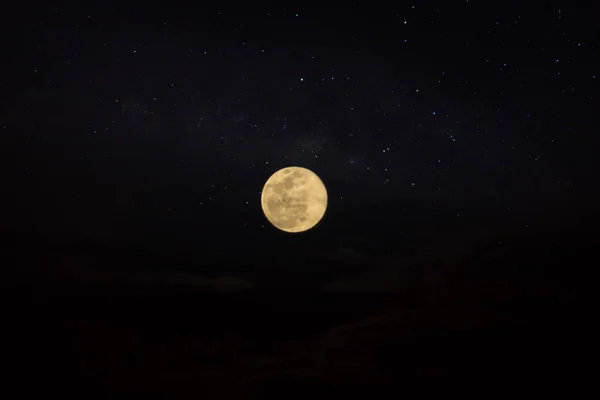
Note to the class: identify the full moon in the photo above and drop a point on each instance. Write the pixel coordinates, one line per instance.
(294, 199)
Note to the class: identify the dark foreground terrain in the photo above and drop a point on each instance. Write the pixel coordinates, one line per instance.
(517, 321)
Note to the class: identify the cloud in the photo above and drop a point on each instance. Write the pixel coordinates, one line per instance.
(229, 284)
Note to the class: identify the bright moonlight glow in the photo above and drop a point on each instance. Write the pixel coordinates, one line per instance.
(294, 199)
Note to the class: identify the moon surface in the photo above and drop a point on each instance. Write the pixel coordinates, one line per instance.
(294, 199)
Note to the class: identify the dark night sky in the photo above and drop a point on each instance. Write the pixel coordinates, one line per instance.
(158, 126)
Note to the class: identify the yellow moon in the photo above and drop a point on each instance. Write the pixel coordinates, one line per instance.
(294, 199)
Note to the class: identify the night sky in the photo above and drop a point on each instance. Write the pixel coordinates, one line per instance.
(458, 142)
(128, 125)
